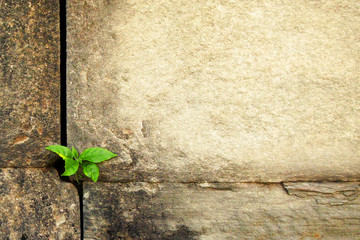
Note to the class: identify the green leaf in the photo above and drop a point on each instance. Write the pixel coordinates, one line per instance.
(75, 153)
(71, 166)
(96, 155)
(91, 170)
(62, 151)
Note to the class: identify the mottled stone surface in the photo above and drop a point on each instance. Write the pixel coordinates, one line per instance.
(36, 204)
(29, 82)
(221, 211)
(217, 90)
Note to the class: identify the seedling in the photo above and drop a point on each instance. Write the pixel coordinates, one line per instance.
(87, 160)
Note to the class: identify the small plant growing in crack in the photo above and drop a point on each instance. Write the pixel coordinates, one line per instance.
(87, 160)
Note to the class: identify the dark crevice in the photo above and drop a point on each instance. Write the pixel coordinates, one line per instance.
(59, 164)
(284, 187)
(80, 190)
(63, 57)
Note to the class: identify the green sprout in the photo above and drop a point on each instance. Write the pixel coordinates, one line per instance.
(87, 160)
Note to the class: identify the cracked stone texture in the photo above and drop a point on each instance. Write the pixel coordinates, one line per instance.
(36, 204)
(29, 82)
(217, 90)
(214, 211)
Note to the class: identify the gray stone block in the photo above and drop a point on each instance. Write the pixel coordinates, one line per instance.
(226, 91)
(36, 204)
(215, 211)
(29, 82)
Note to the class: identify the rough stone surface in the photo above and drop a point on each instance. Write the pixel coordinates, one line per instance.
(326, 193)
(35, 204)
(221, 211)
(29, 82)
(217, 90)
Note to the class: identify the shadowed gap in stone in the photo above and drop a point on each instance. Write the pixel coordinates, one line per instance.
(59, 164)
(63, 71)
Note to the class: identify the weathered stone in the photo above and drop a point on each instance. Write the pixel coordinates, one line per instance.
(35, 204)
(218, 211)
(217, 90)
(325, 193)
(29, 82)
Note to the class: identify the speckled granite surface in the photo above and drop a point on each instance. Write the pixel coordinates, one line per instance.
(29, 82)
(36, 204)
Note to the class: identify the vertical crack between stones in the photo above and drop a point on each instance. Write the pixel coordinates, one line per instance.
(63, 56)
(59, 165)
(81, 200)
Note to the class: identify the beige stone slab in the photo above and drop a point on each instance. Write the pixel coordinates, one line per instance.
(221, 211)
(36, 204)
(29, 82)
(217, 90)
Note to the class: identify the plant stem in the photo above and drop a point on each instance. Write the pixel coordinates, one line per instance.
(77, 180)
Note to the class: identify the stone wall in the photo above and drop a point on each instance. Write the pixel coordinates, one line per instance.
(231, 119)
(221, 211)
(226, 116)
(30, 82)
(217, 90)
(35, 203)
